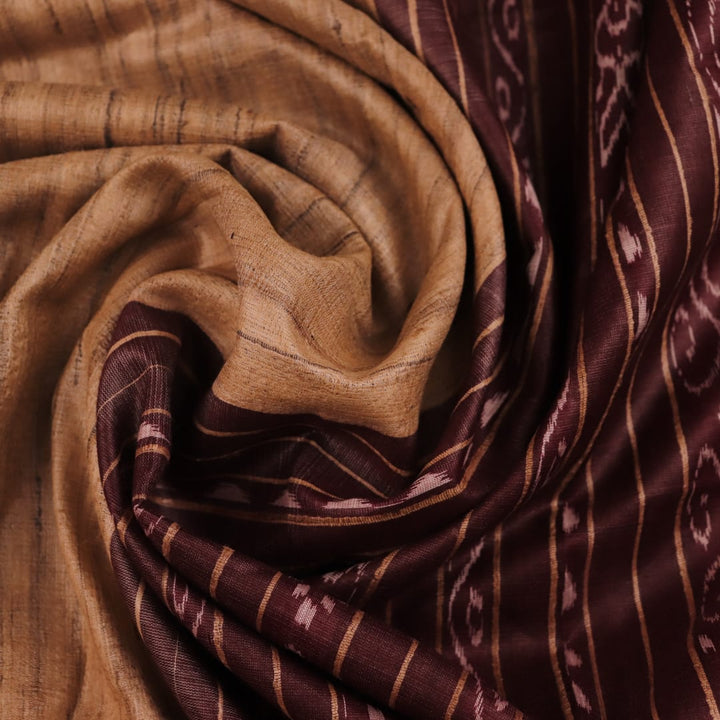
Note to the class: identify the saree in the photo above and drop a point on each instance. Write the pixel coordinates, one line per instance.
(359, 360)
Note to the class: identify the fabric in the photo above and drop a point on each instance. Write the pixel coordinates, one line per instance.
(359, 360)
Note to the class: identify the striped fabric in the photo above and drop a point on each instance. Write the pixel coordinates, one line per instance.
(360, 360)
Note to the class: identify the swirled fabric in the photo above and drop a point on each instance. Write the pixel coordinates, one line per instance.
(360, 360)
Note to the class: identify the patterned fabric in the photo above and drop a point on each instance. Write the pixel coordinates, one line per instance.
(360, 360)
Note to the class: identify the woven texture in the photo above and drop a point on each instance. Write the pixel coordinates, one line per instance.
(360, 360)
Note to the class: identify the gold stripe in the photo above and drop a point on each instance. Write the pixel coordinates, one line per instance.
(156, 411)
(680, 437)
(220, 564)
(705, 101)
(496, 323)
(440, 600)
(345, 642)
(631, 333)
(113, 465)
(370, 446)
(138, 606)
(401, 674)
(462, 531)
(458, 59)
(266, 598)
(679, 552)
(277, 681)
(586, 590)
(141, 334)
(153, 448)
(218, 626)
(154, 366)
(415, 29)
(172, 531)
(224, 434)
(456, 695)
(123, 523)
(221, 703)
(164, 584)
(497, 592)
(334, 710)
(446, 453)
(292, 480)
(637, 597)
(487, 380)
(528, 469)
(378, 575)
(537, 317)
(678, 163)
(647, 229)
(582, 387)
(312, 443)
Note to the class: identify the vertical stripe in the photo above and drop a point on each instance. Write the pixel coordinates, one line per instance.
(139, 595)
(582, 388)
(679, 434)
(640, 208)
(277, 682)
(266, 598)
(458, 59)
(122, 524)
(630, 322)
(537, 317)
(220, 703)
(334, 711)
(345, 642)
(456, 695)
(170, 534)
(415, 29)
(678, 163)
(164, 586)
(705, 101)
(218, 625)
(529, 464)
(378, 575)
(586, 590)
(677, 532)
(497, 593)
(637, 598)
(220, 564)
(401, 674)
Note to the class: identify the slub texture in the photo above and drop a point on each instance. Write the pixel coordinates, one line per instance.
(360, 360)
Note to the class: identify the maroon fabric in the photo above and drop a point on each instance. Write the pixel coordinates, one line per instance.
(545, 547)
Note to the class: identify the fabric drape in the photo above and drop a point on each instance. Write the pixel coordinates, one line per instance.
(359, 360)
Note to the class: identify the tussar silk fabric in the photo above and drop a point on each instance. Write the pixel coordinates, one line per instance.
(359, 360)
